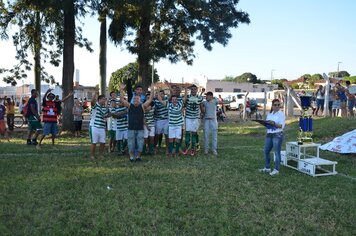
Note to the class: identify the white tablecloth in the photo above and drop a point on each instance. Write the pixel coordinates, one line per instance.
(342, 144)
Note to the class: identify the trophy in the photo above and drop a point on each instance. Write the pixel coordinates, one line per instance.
(305, 122)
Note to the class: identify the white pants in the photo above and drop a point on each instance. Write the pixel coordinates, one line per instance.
(121, 134)
(149, 133)
(97, 135)
(175, 132)
(191, 125)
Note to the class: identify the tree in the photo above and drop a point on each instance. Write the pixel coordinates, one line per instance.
(167, 29)
(313, 79)
(279, 82)
(129, 71)
(35, 32)
(339, 74)
(352, 79)
(247, 77)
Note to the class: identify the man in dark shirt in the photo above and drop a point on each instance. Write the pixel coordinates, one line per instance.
(34, 120)
(135, 135)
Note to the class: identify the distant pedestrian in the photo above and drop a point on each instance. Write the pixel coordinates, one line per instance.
(320, 99)
(3, 130)
(10, 113)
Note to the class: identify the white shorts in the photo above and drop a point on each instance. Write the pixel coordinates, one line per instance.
(175, 132)
(97, 135)
(150, 133)
(162, 126)
(121, 134)
(192, 124)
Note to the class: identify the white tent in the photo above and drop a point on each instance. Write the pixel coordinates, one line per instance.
(342, 144)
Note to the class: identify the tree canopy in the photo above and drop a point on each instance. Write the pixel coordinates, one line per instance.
(168, 29)
(130, 71)
(340, 74)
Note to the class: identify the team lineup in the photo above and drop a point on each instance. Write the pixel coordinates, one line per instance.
(137, 123)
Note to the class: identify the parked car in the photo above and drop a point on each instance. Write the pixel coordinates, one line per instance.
(237, 103)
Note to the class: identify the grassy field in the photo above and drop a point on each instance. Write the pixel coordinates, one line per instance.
(58, 191)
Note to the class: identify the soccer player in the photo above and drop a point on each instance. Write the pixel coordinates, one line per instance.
(99, 112)
(175, 121)
(192, 117)
(121, 127)
(161, 120)
(149, 128)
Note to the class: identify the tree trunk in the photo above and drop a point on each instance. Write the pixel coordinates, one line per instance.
(144, 54)
(37, 56)
(102, 54)
(68, 63)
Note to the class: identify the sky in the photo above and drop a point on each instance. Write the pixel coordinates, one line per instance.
(285, 39)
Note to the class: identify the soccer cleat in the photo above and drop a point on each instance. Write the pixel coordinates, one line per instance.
(274, 172)
(185, 152)
(29, 142)
(192, 152)
(34, 142)
(132, 159)
(215, 153)
(265, 170)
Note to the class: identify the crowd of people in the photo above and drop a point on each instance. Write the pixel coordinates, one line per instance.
(137, 123)
(341, 101)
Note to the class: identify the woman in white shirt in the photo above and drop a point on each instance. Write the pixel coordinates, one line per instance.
(274, 138)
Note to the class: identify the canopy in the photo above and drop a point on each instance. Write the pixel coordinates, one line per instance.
(342, 144)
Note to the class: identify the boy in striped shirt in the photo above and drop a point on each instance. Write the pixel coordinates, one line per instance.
(161, 120)
(175, 121)
(149, 128)
(192, 117)
(99, 113)
(121, 128)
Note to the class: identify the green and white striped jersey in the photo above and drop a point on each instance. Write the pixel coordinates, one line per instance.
(175, 115)
(111, 120)
(97, 116)
(149, 117)
(192, 110)
(122, 121)
(160, 111)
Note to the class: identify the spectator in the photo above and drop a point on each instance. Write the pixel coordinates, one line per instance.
(3, 130)
(10, 112)
(319, 94)
(341, 93)
(77, 117)
(210, 123)
(350, 100)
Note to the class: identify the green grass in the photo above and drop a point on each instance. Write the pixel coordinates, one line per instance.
(58, 191)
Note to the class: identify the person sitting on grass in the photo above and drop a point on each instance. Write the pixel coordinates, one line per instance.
(135, 135)
(99, 113)
(50, 109)
(175, 121)
(3, 130)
